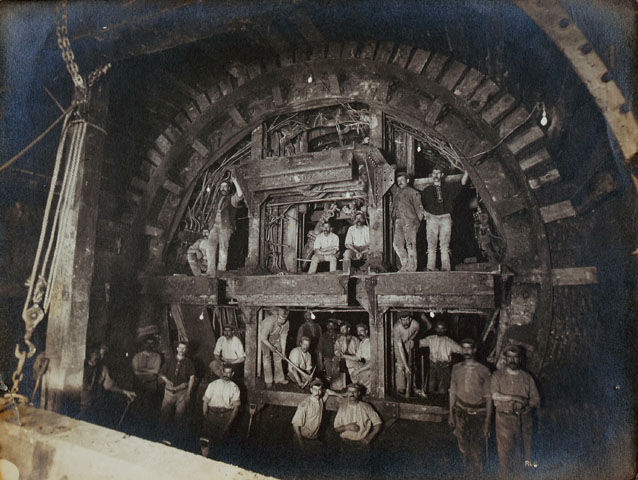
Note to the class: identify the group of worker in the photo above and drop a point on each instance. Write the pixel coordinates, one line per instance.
(409, 207)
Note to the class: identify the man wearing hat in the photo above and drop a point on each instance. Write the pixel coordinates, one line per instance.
(357, 242)
(273, 333)
(223, 225)
(346, 344)
(197, 255)
(407, 213)
(356, 422)
(441, 349)
(326, 360)
(514, 394)
(306, 422)
(438, 201)
(146, 367)
(470, 406)
(403, 335)
(311, 329)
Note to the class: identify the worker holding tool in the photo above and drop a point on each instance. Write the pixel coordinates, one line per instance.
(220, 406)
(359, 363)
(96, 381)
(273, 333)
(514, 394)
(403, 335)
(300, 357)
(470, 407)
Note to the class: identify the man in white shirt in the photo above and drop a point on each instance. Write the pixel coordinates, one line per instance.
(357, 242)
(221, 404)
(146, 366)
(325, 249)
(356, 421)
(273, 333)
(228, 350)
(441, 350)
(403, 334)
(306, 422)
(300, 356)
(359, 363)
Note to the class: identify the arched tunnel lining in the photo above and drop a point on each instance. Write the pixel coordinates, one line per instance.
(428, 92)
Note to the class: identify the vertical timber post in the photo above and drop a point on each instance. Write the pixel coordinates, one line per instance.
(71, 292)
(250, 365)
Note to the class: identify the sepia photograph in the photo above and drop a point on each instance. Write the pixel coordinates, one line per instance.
(318, 239)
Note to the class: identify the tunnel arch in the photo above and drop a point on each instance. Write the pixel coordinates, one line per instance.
(430, 92)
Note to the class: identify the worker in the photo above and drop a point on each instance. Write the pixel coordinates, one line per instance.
(470, 407)
(359, 363)
(222, 227)
(357, 242)
(325, 249)
(273, 333)
(346, 344)
(197, 254)
(356, 421)
(311, 329)
(178, 375)
(406, 214)
(326, 360)
(146, 367)
(95, 381)
(220, 405)
(301, 358)
(438, 201)
(515, 395)
(306, 421)
(228, 351)
(403, 335)
(441, 349)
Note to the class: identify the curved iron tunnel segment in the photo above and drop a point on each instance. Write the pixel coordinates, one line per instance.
(430, 93)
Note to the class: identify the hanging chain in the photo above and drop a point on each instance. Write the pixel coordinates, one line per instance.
(62, 32)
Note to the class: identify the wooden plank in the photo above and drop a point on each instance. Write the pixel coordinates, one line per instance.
(436, 301)
(468, 85)
(483, 94)
(163, 144)
(367, 50)
(434, 283)
(498, 109)
(401, 56)
(558, 211)
(513, 121)
(333, 82)
(182, 289)
(293, 285)
(574, 276)
(350, 49)
(200, 148)
(435, 66)
(534, 159)
(288, 299)
(172, 187)
(236, 116)
(452, 75)
(383, 52)
(550, 177)
(434, 111)
(418, 61)
(527, 137)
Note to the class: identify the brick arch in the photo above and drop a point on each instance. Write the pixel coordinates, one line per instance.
(430, 92)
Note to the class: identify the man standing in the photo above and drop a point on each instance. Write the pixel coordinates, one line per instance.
(146, 366)
(311, 329)
(359, 363)
(95, 382)
(221, 404)
(325, 249)
(357, 242)
(306, 422)
(403, 335)
(514, 394)
(300, 356)
(228, 351)
(438, 201)
(407, 213)
(346, 344)
(356, 422)
(223, 226)
(470, 406)
(441, 350)
(326, 351)
(178, 375)
(273, 333)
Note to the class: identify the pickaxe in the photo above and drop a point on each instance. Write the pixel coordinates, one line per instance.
(299, 370)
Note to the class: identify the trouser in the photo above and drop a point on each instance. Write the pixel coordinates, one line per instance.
(268, 360)
(508, 443)
(197, 262)
(468, 430)
(173, 402)
(439, 230)
(350, 255)
(331, 367)
(400, 376)
(316, 258)
(404, 243)
(219, 237)
(215, 422)
(439, 381)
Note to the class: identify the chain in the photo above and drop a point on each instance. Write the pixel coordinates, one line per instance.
(62, 32)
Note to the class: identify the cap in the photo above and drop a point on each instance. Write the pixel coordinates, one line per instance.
(440, 322)
(468, 341)
(512, 349)
(405, 313)
(362, 325)
(402, 174)
(316, 381)
(333, 321)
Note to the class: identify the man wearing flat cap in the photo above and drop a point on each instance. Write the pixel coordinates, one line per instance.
(357, 242)
(514, 394)
(403, 335)
(407, 213)
(441, 349)
(470, 406)
(326, 360)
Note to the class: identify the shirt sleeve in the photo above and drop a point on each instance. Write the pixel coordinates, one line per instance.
(235, 200)
(234, 396)
(339, 420)
(425, 342)
(239, 348)
(534, 397)
(495, 384)
(208, 394)
(349, 240)
(294, 356)
(317, 244)
(264, 329)
(454, 347)
(218, 346)
(334, 240)
(374, 417)
(299, 418)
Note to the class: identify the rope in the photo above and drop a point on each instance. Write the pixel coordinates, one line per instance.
(37, 139)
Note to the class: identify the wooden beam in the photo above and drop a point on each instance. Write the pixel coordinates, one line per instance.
(71, 290)
(182, 289)
(574, 276)
(557, 211)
